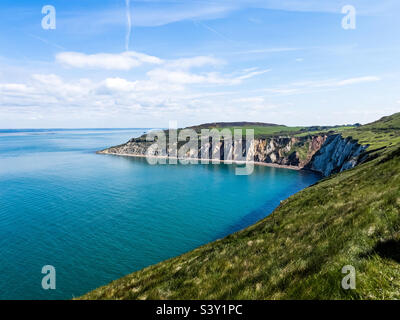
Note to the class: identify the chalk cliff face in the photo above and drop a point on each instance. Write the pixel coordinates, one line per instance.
(321, 153)
(292, 151)
(337, 155)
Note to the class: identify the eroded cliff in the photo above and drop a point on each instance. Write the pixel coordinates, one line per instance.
(336, 155)
(326, 154)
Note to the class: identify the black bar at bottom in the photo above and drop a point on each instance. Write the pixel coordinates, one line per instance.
(205, 309)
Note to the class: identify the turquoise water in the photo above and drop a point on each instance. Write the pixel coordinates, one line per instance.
(96, 218)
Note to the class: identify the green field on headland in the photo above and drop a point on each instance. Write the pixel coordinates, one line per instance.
(297, 252)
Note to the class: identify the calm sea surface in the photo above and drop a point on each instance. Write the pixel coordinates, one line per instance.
(96, 218)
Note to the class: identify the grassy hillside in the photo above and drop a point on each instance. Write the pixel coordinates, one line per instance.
(379, 134)
(352, 218)
(266, 130)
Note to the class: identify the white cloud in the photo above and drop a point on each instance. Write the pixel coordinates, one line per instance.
(252, 74)
(165, 93)
(14, 88)
(194, 62)
(307, 87)
(131, 59)
(331, 83)
(339, 83)
(176, 76)
(167, 89)
(108, 61)
(358, 80)
(48, 79)
(170, 72)
(119, 84)
(283, 91)
(254, 104)
(184, 77)
(115, 85)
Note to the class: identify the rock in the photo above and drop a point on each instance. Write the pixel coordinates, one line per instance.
(321, 153)
(336, 154)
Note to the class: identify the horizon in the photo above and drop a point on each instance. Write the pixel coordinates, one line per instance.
(192, 125)
(116, 64)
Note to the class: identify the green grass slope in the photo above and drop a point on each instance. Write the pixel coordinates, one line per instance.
(352, 218)
(379, 134)
(266, 130)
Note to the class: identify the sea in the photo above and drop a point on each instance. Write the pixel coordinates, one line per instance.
(96, 218)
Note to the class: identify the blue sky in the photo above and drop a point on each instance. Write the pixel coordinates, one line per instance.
(286, 62)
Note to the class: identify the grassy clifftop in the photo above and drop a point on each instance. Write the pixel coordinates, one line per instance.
(264, 130)
(352, 218)
(379, 134)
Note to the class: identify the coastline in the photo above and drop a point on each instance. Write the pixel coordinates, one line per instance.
(210, 161)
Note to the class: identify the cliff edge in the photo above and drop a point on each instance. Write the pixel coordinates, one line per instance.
(323, 152)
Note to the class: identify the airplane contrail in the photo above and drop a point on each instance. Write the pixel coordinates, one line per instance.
(129, 24)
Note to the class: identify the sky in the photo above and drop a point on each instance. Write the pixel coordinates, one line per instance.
(142, 64)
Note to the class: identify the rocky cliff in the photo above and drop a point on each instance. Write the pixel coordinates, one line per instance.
(326, 154)
(336, 155)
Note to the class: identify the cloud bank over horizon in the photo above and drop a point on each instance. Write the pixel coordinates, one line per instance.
(169, 86)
